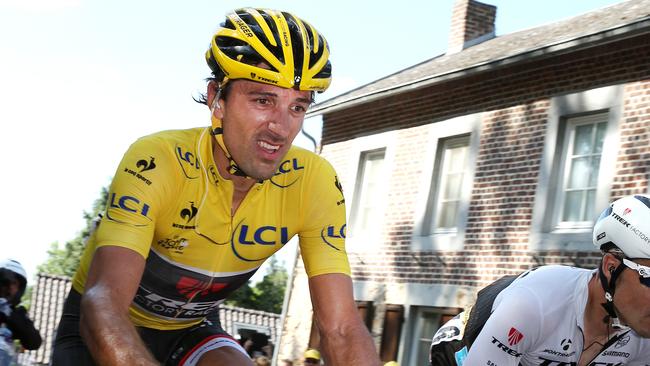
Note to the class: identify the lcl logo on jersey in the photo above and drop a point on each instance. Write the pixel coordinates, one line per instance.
(246, 239)
(265, 235)
(129, 204)
(188, 162)
(332, 232)
(286, 167)
(213, 174)
(289, 165)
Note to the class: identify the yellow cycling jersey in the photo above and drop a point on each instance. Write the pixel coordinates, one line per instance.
(169, 203)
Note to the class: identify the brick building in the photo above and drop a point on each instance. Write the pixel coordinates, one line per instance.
(488, 160)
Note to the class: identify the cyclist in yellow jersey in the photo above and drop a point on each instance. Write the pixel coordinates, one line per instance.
(193, 214)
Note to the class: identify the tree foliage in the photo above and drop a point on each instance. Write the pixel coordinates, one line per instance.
(266, 295)
(64, 261)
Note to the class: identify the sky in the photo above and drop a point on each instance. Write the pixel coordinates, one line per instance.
(80, 80)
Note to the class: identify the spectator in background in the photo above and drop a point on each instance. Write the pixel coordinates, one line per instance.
(247, 344)
(14, 321)
(267, 349)
(286, 362)
(262, 361)
(312, 357)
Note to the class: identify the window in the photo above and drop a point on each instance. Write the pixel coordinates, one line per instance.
(449, 161)
(426, 325)
(425, 322)
(369, 159)
(369, 186)
(453, 170)
(583, 150)
(575, 177)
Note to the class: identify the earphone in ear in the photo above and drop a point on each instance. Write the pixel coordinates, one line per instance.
(611, 269)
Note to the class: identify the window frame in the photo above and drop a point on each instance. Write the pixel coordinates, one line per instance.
(425, 237)
(418, 313)
(572, 123)
(446, 144)
(360, 189)
(544, 233)
(361, 242)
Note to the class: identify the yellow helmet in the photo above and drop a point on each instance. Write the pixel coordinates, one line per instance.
(312, 353)
(294, 54)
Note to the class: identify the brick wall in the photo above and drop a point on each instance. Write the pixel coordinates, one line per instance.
(515, 101)
(633, 160)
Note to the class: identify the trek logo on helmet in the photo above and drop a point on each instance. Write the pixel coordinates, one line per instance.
(620, 219)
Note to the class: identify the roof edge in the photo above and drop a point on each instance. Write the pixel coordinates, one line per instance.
(628, 30)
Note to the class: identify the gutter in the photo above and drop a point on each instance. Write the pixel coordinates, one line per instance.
(639, 27)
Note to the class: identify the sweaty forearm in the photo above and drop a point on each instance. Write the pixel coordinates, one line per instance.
(349, 345)
(109, 334)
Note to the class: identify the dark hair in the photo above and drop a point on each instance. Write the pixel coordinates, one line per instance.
(203, 97)
(611, 248)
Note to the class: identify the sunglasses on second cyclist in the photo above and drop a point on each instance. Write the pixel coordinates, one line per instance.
(644, 271)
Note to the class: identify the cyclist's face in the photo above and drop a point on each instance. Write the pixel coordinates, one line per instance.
(632, 298)
(10, 290)
(260, 122)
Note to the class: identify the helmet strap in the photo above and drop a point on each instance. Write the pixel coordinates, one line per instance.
(610, 288)
(217, 132)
